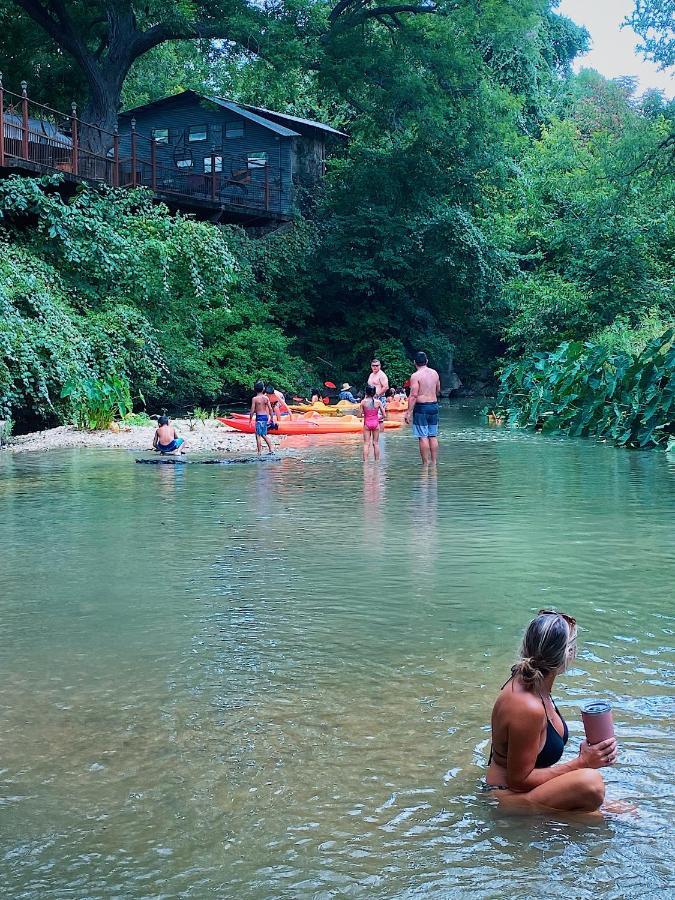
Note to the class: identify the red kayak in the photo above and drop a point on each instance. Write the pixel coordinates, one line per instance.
(318, 425)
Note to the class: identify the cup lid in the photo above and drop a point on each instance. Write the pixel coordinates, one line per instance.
(598, 706)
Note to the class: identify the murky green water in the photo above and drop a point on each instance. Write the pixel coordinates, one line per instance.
(274, 681)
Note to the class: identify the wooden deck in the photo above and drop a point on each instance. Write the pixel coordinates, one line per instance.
(37, 140)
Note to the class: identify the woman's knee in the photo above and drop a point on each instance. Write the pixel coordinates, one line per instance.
(591, 787)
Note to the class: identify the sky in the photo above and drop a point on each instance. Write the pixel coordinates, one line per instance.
(613, 50)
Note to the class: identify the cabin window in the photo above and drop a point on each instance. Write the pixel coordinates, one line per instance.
(198, 133)
(218, 160)
(161, 135)
(184, 163)
(234, 129)
(257, 160)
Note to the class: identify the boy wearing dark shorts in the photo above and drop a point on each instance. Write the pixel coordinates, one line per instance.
(262, 410)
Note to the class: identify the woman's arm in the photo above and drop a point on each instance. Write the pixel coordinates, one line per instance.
(524, 735)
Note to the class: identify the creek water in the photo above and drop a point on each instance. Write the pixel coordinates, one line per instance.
(275, 680)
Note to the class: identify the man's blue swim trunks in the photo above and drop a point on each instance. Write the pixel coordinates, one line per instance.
(425, 420)
(169, 448)
(261, 424)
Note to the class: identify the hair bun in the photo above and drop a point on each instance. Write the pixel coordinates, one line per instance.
(529, 670)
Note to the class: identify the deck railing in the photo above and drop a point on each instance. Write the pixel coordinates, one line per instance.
(53, 141)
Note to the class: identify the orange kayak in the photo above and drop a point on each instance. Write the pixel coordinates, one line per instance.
(308, 425)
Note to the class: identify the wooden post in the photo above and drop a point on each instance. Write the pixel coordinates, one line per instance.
(153, 163)
(267, 188)
(133, 152)
(2, 122)
(24, 120)
(75, 150)
(116, 158)
(213, 173)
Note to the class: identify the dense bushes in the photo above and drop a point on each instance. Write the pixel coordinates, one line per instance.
(586, 389)
(589, 218)
(110, 284)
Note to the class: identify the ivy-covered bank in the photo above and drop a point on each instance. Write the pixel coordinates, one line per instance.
(108, 290)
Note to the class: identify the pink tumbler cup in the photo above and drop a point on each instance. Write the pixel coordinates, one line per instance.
(598, 722)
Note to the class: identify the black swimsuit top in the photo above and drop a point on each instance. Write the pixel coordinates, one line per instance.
(554, 744)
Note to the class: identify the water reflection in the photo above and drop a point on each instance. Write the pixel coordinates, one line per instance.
(374, 483)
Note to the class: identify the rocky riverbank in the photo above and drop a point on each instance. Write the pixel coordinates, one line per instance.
(210, 436)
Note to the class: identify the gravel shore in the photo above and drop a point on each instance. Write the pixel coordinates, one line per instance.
(209, 436)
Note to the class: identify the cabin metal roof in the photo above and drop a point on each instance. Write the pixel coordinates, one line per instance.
(309, 123)
(266, 118)
(253, 117)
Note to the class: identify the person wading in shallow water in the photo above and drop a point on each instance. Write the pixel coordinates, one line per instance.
(425, 389)
(529, 734)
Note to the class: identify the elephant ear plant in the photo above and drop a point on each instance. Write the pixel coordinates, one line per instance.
(583, 389)
(95, 402)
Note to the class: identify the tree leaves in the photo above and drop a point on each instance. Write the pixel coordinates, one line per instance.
(585, 390)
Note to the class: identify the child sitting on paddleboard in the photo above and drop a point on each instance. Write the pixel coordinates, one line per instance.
(166, 438)
(371, 411)
(264, 416)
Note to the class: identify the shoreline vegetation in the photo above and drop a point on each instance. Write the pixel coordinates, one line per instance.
(490, 207)
(586, 390)
(208, 436)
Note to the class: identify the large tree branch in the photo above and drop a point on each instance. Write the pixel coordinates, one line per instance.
(358, 10)
(378, 11)
(348, 14)
(55, 27)
(158, 34)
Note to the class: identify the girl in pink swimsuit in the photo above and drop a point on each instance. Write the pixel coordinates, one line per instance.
(371, 409)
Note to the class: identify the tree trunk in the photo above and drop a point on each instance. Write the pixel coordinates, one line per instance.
(99, 114)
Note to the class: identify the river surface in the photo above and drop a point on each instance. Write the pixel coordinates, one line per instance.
(275, 680)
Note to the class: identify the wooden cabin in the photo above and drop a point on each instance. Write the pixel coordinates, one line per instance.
(241, 160)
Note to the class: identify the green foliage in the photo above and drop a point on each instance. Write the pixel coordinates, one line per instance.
(109, 283)
(624, 337)
(545, 310)
(141, 419)
(654, 21)
(488, 203)
(589, 219)
(95, 402)
(585, 389)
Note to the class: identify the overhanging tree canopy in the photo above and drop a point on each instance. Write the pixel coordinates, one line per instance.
(105, 37)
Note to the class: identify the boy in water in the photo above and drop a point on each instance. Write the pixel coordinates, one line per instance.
(166, 438)
(264, 414)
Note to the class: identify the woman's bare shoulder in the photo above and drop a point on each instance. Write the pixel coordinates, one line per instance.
(519, 701)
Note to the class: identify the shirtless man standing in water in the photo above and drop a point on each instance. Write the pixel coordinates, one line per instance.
(425, 388)
(380, 382)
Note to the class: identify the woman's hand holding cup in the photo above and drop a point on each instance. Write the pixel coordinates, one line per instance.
(597, 756)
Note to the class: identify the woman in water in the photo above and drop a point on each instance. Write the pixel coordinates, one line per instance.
(371, 410)
(529, 734)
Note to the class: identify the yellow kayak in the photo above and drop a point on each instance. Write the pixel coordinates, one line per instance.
(346, 407)
(319, 408)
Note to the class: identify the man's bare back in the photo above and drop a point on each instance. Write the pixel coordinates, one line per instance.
(425, 389)
(425, 385)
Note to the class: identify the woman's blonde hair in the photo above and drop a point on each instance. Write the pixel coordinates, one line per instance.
(544, 650)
